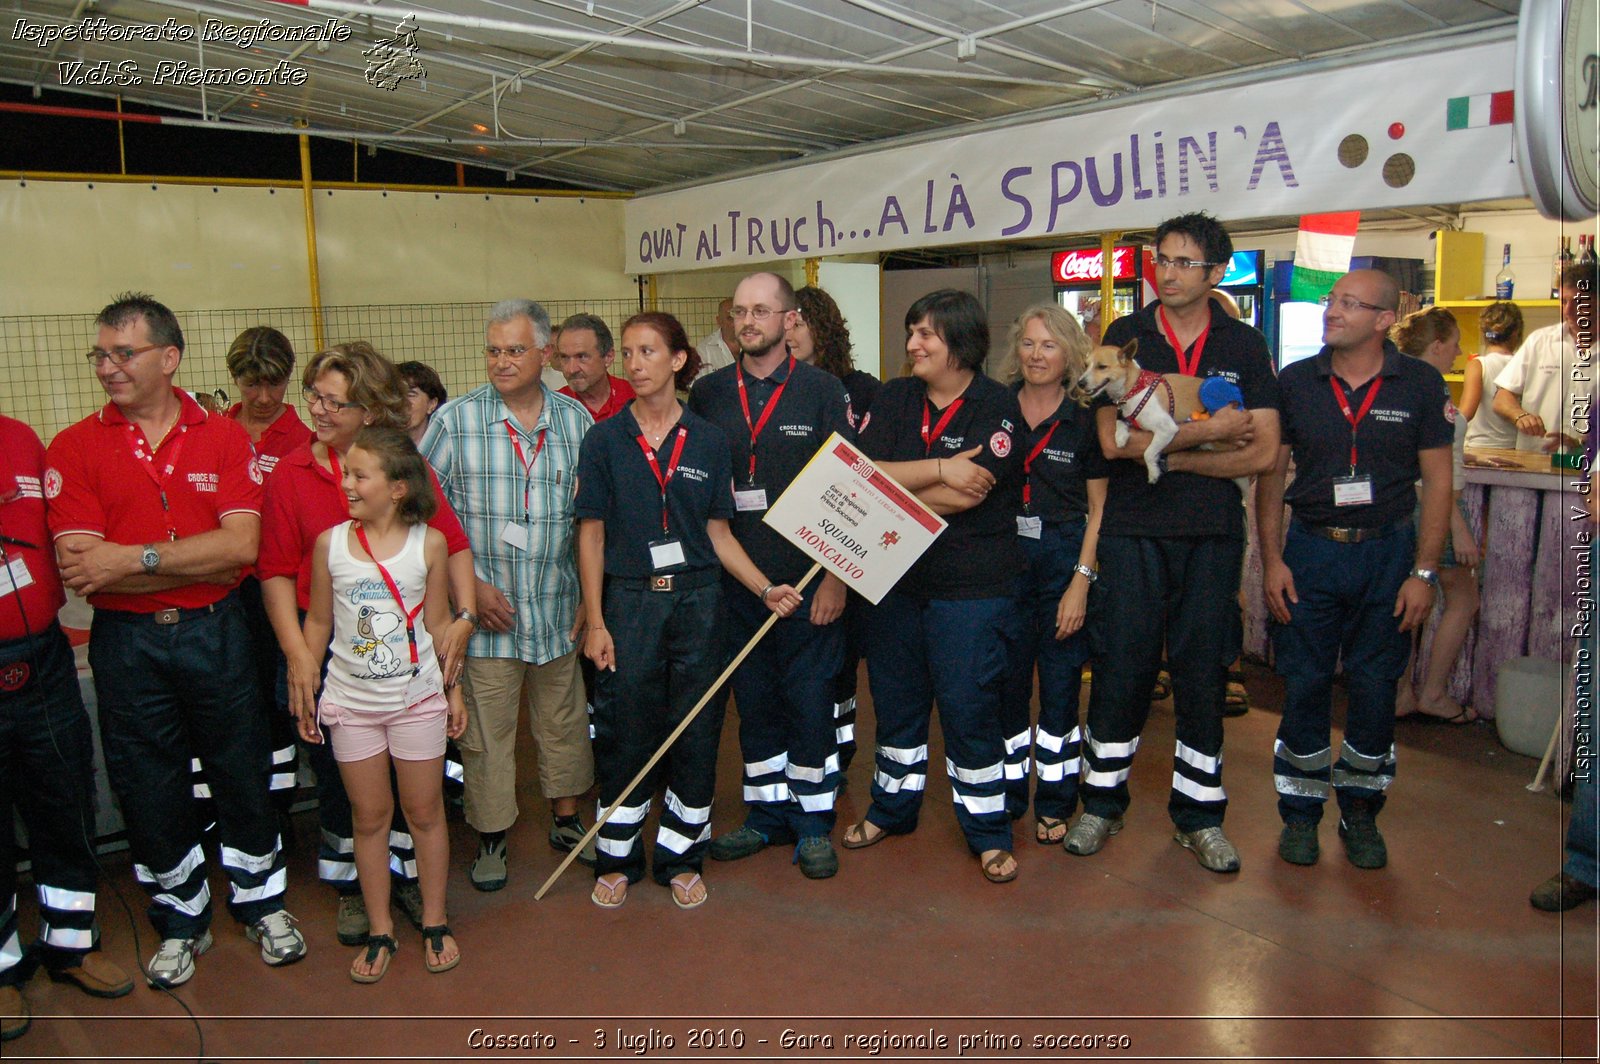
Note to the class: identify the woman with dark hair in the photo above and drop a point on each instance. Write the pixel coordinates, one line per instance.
(261, 360)
(1501, 326)
(949, 434)
(820, 336)
(424, 394)
(651, 595)
(347, 388)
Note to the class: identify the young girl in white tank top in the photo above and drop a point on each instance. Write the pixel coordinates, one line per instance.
(378, 586)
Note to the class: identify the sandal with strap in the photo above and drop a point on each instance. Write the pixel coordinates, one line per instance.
(615, 892)
(995, 871)
(377, 945)
(1049, 830)
(683, 894)
(433, 939)
(863, 833)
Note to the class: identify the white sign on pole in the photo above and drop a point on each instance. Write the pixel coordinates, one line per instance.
(857, 522)
(1362, 137)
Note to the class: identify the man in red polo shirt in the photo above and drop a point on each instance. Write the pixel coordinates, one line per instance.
(583, 355)
(155, 506)
(46, 747)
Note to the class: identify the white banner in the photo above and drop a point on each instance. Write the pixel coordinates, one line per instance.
(862, 526)
(1357, 138)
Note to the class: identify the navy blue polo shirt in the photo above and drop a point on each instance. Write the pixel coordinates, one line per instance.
(1071, 456)
(1407, 416)
(860, 389)
(978, 555)
(811, 408)
(616, 485)
(1186, 504)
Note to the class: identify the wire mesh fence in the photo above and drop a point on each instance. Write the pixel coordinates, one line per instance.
(46, 382)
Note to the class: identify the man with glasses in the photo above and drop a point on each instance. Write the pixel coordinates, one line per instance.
(717, 349)
(1354, 577)
(583, 355)
(507, 456)
(155, 506)
(776, 413)
(1170, 552)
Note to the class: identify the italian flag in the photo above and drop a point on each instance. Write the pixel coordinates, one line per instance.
(1322, 253)
(1486, 109)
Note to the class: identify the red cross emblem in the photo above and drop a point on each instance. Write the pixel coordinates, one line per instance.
(13, 676)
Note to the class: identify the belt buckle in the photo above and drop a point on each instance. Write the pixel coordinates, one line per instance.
(1344, 535)
(168, 616)
(661, 583)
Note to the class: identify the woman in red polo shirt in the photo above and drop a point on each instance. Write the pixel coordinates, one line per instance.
(347, 387)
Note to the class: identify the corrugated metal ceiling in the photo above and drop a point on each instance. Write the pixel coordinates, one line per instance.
(640, 95)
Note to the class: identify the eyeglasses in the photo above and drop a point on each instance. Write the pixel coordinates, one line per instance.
(755, 313)
(1350, 304)
(119, 356)
(1183, 265)
(515, 351)
(332, 406)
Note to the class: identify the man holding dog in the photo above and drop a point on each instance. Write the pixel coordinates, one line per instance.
(1170, 551)
(1355, 576)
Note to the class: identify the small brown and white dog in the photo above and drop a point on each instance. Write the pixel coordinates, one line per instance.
(1158, 403)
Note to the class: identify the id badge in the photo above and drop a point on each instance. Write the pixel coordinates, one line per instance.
(1029, 526)
(1352, 490)
(516, 535)
(749, 498)
(17, 577)
(665, 553)
(422, 685)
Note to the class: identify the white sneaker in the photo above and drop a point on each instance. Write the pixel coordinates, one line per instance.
(281, 942)
(173, 964)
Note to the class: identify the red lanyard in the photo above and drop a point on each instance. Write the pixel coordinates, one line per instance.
(772, 404)
(411, 616)
(527, 463)
(1027, 465)
(338, 480)
(1354, 419)
(944, 419)
(672, 467)
(1188, 369)
(147, 462)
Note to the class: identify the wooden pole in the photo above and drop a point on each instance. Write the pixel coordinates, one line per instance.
(660, 753)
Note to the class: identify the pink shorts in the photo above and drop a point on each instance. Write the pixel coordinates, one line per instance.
(415, 733)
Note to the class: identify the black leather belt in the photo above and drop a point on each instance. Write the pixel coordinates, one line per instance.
(666, 582)
(1355, 535)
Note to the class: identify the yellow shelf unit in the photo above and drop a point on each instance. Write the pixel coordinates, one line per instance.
(1458, 288)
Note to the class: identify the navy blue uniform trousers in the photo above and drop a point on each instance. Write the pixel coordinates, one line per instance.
(1182, 591)
(1346, 611)
(46, 775)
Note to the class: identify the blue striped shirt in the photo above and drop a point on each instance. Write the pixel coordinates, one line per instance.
(485, 482)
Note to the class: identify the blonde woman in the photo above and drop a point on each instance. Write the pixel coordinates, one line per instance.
(1058, 528)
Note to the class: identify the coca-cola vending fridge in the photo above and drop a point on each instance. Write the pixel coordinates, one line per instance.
(1077, 280)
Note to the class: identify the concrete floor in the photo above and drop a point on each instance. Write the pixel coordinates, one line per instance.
(1437, 957)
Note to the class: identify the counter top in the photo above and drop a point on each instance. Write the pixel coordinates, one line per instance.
(1519, 469)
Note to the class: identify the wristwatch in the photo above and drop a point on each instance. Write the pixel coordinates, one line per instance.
(468, 616)
(1086, 572)
(149, 558)
(1427, 576)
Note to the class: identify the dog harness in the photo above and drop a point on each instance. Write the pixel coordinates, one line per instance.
(1145, 386)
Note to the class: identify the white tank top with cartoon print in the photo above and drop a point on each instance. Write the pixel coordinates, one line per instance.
(369, 668)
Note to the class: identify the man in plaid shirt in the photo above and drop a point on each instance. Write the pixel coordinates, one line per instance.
(507, 456)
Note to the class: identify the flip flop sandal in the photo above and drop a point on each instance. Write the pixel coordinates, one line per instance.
(1044, 828)
(991, 868)
(612, 899)
(433, 939)
(863, 831)
(683, 892)
(1163, 687)
(376, 944)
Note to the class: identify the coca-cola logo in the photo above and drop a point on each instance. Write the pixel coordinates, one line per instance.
(1069, 267)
